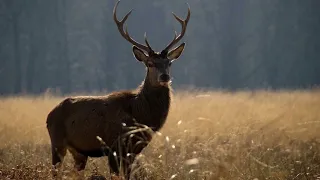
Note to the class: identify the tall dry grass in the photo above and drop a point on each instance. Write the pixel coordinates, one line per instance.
(208, 135)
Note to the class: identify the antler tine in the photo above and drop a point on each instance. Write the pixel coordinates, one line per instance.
(184, 24)
(124, 33)
(147, 43)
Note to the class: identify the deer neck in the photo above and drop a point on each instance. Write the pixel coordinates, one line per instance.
(152, 104)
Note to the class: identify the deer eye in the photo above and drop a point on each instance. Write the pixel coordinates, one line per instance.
(150, 64)
(170, 63)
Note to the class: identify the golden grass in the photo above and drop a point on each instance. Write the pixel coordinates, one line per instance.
(208, 135)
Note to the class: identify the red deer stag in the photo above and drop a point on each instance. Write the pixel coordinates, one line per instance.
(124, 121)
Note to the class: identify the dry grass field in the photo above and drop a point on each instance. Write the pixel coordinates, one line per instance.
(208, 135)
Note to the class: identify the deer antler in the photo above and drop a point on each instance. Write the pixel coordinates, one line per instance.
(125, 33)
(184, 24)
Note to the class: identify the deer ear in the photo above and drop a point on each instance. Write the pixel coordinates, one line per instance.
(139, 54)
(175, 53)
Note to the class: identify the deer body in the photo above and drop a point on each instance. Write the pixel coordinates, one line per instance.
(124, 121)
(76, 122)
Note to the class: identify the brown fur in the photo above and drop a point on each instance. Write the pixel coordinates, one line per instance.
(76, 122)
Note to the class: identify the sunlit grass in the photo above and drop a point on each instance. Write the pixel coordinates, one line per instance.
(208, 135)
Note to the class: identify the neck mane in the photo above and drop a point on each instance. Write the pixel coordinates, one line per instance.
(152, 104)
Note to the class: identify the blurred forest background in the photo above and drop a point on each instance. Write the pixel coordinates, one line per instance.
(74, 46)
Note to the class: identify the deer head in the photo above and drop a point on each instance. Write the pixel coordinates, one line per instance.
(157, 63)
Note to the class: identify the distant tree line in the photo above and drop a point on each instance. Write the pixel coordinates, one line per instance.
(74, 46)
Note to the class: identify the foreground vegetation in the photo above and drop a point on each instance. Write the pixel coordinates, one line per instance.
(208, 135)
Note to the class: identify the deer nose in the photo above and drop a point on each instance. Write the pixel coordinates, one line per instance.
(164, 77)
